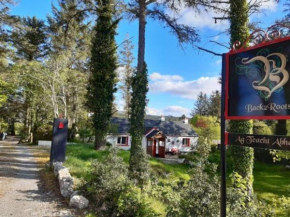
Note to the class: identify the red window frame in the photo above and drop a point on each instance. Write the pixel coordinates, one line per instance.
(187, 142)
(120, 144)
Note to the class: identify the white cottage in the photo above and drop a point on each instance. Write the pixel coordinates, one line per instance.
(160, 136)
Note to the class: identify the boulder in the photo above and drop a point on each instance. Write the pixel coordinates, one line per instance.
(79, 202)
(57, 166)
(65, 182)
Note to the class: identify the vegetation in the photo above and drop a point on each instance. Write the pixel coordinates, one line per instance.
(126, 61)
(103, 63)
(67, 67)
(207, 106)
(169, 181)
(139, 168)
(242, 157)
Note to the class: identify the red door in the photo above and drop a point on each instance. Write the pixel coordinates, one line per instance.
(161, 147)
(154, 148)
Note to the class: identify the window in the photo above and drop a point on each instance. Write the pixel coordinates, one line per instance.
(185, 142)
(122, 141)
(149, 143)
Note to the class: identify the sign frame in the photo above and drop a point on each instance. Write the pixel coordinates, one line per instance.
(265, 38)
(227, 69)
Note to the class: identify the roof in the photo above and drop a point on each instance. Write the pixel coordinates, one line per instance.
(168, 128)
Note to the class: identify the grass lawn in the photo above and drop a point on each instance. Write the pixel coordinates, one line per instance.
(270, 181)
(79, 160)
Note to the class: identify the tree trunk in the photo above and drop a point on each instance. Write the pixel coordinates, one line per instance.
(12, 127)
(141, 42)
(281, 127)
(243, 157)
(99, 141)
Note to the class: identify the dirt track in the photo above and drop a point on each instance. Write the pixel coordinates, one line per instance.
(21, 191)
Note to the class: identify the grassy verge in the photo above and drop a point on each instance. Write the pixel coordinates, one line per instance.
(79, 159)
(271, 181)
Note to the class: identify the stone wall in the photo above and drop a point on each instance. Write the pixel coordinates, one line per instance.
(66, 182)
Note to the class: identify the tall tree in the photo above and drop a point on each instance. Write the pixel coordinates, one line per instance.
(215, 104)
(242, 157)
(30, 42)
(30, 39)
(126, 60)
(103, 63)
(70, 41)
(201, 105)
(157, 10)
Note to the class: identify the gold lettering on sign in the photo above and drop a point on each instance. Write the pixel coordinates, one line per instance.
(240, 140)
(281, 142)
(271, 72)
(268, 107)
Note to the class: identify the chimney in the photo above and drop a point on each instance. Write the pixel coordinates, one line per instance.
(162, 118)
(185, 120)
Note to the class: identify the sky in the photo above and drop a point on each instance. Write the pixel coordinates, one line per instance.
(177, 74)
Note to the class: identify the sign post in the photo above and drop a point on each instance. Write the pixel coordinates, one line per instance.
(255, 85)
(59, 140)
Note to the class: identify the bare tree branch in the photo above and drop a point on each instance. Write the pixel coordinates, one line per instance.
(208, 51)
(220, 44)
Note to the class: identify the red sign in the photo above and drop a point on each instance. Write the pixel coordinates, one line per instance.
(60, 125)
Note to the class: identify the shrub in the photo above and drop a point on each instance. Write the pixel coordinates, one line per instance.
(239, 203)
(111, 190)
(262, 155)
(132, 203)
(140, 168)
(200, 196)
(207, 127)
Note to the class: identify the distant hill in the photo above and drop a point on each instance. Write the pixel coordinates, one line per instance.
(121, 114)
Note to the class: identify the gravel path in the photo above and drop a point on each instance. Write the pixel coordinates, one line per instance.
(21, 191)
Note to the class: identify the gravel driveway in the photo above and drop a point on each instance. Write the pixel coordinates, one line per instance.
(21, 191)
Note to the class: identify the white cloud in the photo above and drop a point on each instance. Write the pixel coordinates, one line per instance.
(153, 111)
(218, 62)
(173, 110)
(184, 89)
(202, 18)
(269, 5)
(157, 76)
(176, 111)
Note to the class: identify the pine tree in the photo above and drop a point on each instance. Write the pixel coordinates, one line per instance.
(103, 63)
(30, 40)
(215, 104)
(127, 59)
(70, 41)
(201, 105)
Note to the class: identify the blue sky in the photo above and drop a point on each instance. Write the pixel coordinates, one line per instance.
(177, 74)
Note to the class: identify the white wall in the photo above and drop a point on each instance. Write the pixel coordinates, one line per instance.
(113, 139)
(176, 142)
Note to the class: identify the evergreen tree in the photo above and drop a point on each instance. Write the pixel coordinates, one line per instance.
(201, 105)
(103, 63)
(215, 104)
(139, 165)
(30, 40)
(70, 41)
(242, 157)
(127, 59)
